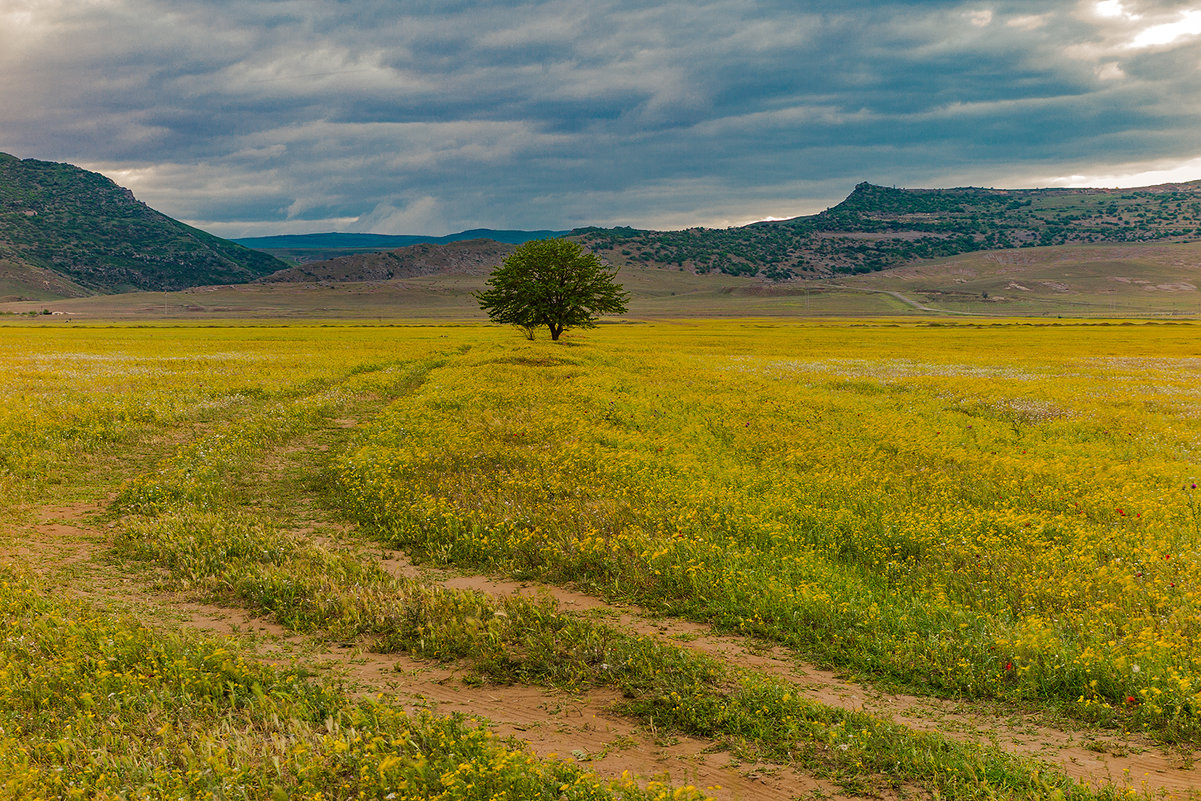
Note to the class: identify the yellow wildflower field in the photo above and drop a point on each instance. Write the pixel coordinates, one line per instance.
(998, 511)
(1002, 511)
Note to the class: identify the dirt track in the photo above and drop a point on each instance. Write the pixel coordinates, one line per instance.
(63, 545)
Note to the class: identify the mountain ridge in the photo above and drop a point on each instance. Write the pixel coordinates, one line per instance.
(334, 239)
(466, 257)
(877, 228)
(60, 220)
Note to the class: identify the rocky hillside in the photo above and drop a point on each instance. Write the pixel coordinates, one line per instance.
(472, 257)
(80, 232)
(878, 227)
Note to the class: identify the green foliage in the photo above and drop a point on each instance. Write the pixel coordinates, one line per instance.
(553, 283)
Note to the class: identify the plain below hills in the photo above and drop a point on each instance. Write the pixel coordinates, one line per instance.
(66, 231)
(1158, 280)
(1133, 279)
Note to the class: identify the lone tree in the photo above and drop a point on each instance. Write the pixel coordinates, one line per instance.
(553, 283)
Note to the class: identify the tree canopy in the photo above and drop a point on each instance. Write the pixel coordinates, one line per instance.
(553, 283)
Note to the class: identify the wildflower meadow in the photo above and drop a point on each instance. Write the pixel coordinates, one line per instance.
(1001, 513)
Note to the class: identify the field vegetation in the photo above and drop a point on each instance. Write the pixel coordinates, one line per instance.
(1001, 515)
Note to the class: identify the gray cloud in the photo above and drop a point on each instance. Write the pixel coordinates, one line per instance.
(403, 117)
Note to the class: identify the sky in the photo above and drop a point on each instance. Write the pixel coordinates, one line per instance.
(258, 117)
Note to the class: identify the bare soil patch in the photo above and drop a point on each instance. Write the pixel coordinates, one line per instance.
(1096, 757)
(60, 539)
(554, 724)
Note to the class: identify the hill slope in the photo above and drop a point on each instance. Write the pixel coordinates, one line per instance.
(73, 231)
(1161, 278)
(332, 241)
(471, 257)
(306, 248)
(877, 228)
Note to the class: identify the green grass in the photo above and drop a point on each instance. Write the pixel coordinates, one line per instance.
(946, 508)
(98, 707)
(189, 517)
(657, 463)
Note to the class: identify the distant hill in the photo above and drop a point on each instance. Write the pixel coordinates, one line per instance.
(388, 241)
(470, 257)
(878, 227)
(306, 248)
(65, 231)
(1152, 280)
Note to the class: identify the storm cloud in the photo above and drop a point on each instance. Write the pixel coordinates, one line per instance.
(397, 116)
